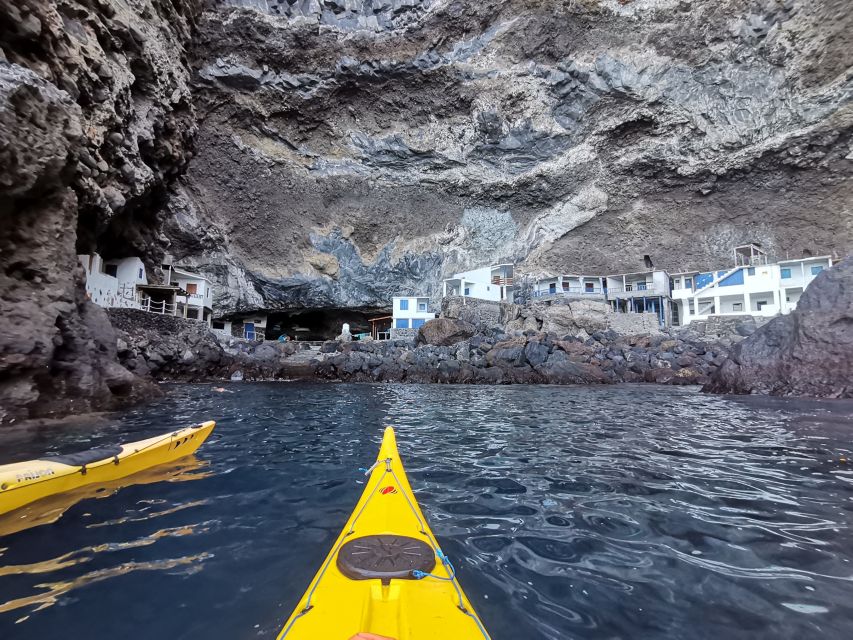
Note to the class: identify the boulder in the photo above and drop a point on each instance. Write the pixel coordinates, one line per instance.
(444, 332)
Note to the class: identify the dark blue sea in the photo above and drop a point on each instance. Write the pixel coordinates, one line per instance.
(613, 512)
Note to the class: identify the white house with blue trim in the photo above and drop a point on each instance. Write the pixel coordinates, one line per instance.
(410, 312)
(753, 286)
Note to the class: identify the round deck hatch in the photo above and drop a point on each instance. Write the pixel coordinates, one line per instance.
(385, 557)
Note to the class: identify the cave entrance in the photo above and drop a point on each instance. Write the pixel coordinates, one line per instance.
(318, 324)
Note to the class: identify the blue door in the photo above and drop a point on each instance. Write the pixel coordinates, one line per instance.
(249, 330)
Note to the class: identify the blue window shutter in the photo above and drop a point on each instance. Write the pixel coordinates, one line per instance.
(786, 273)
(402, 323)
(404, 305)
(816, 269)
(417, 322)
(752, 271)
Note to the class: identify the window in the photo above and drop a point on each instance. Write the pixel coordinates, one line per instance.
(401, 323)
(467, 291)
(688, 283)
(111, 270)
(417, 322)
(760, 304)
(676, 283)
(690, 308)
(192, 288)
(737, 306)
(751, 271)
(786, 273)
(218, 325)
(589, 287)
(422, 306)
(552, 288)
(817, 269)
(404, 306)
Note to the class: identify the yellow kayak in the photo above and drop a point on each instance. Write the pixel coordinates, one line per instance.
(25, 482)
(385, 574)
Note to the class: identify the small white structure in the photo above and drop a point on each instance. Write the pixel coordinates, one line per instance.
(222, 328)
(113, 283)
(751, 287)
(410, 312)
(571, 285)
(195, 300)
(255, 327)
(252, 327)
(487, 283)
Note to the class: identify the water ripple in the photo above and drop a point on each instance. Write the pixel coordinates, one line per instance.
(625, 512)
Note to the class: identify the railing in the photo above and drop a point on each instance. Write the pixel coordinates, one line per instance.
(253, 335)
(630, 291)
(501, 281)
(571, 291)
(161, 307)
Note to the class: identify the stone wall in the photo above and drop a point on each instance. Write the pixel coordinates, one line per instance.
(403, 334)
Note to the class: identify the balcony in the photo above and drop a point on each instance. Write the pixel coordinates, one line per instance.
(638, 290)
(499, 280)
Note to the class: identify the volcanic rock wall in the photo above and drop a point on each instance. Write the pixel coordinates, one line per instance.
(95, 120)
(352, 150)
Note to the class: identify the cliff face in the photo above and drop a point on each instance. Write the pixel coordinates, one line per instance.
(344, 151)
(95, 119)
(350, 151)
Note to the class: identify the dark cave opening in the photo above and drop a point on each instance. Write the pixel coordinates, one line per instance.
(319, 324)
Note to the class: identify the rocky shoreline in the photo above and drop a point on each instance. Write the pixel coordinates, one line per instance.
(446, 351)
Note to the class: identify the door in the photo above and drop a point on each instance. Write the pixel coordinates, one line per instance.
(249, 330)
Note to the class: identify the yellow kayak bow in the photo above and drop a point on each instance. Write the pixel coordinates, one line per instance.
(386, 574)
(24, 482)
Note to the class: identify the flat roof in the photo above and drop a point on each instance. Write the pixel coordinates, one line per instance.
(189, 274)
(805, 259)
(636, 273)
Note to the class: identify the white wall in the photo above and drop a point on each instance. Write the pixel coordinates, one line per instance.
(112, 291)
(414, 312)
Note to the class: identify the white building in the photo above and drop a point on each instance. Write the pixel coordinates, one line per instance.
(751, 287)
(410, 312)
(487, 283)
(641, 292)
(572, 285)
(195, 295)
(113, 283)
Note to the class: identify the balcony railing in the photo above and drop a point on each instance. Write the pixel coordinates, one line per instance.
(639, 290)
(501, 281)
(571, 291)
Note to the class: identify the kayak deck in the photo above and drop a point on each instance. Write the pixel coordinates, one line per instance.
(24, 482)
(366, 583)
